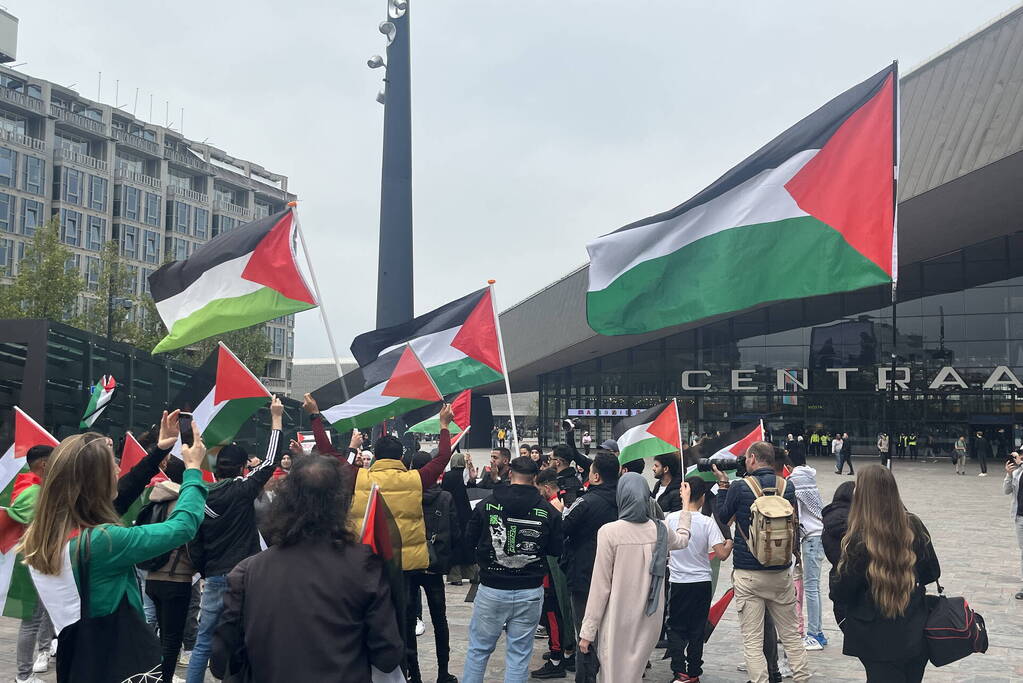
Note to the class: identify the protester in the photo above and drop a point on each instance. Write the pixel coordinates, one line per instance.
(690, 589)
(587, 441)
(539, 457)
(845, 455)
(228, 533)
(959, 454)
(882, 447)
(524, 450)
(568, 480)
(624, 611)
(836, 519)
(560, 633)
(887, 559)
(510, 595)
(77, 498)
(667, 477)
(271, 629)
(497, 474)
(1011, 486)
(455, 482)
(981, 451)
(811, 525)
(759, 588)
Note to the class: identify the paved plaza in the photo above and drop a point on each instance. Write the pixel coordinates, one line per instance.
(968, 518)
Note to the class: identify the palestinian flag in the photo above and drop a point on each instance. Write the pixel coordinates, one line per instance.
(653, 432)
(27, 433)
(810, 213)
(99, 398)
(240, 278)
(224, 407)
(380, 532)
(728, 446)
(459, 426)
(457, 343)
(132, 454)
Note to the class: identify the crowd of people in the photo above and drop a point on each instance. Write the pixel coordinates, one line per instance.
(570, 547)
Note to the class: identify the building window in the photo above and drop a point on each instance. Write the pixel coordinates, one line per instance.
(12, 123)
(262, 209)
(132, 164)
(178, 248)
(72, 186)
(152, 209)
(8, 166)
(180, 218)
(97, 193)
(129, 241)
(126, 201)
(31, 216)
(146, 272)
(6, 212)
(96, 234)
(222, 224)
(202, 223)
(74, 263)
(92, 269)
(133, 278)
(71, 227)
(179, 180)
(151, 247)
(71, 143)
(276, 336)
(6, 257)
(34, 175)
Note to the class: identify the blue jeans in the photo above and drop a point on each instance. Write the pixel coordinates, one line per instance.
(210, 607)
(813, 554)
(516, 610)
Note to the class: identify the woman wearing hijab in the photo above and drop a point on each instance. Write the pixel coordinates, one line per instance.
(625, 607)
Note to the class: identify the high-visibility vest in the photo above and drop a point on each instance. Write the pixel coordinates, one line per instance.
(815, 438)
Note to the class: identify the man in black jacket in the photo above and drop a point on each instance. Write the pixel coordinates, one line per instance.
(228, 532)
(514, 530)
(982, 451)
(668, 473)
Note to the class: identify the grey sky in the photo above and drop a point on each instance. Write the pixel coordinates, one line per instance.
(538, 124)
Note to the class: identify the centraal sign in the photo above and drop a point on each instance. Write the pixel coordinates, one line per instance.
(1001, 378)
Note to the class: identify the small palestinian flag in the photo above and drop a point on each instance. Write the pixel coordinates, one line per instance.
(810, 213)
(653, 432)
(224, 407)
(27, 433)
(461, 407)
(240, 278)
(132, 454)
(728, 446)
(99, 398)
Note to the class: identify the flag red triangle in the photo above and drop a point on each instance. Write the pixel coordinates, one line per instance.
(375, 531)
(741, 446)
(234, 380)
(131, 455)
(665, 426)
(10, 531)
(478, 337)
(273, 264)
(462, 409)
(28, 433)
(411, 380)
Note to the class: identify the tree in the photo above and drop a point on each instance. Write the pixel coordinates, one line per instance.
(113, 301)
(45, 287)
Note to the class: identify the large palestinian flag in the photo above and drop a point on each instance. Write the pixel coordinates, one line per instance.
(655, 431)
(728, 446)
(810, 213)
(240, 278)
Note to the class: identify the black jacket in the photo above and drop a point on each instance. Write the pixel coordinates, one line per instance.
(736, 503)
(870, 635)
(228, 532)
(597, 507)
(836, 520)
(669, 497)
(307, 612)
(454, 483)
(442, 531)
(514, 530)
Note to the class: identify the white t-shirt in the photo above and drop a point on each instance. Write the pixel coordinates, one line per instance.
(692, 563)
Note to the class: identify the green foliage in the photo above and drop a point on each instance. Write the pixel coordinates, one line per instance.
(112, 293)
(44, 286)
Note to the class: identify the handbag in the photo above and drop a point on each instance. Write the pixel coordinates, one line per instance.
(953, 630)
(115, 648)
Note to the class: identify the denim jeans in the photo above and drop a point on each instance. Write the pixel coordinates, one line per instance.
(516, 610)
(813, 554)
(34, 636)
(210, 607)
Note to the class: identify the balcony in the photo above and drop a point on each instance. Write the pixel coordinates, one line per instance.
(187, 159)
(139, 178)
(23, 140)
(85, 160)
(232, 209)
(185, 193)
(139, 143)
(77, 120)
(22, 100)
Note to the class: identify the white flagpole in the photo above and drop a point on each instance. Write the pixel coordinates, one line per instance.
(678, 423)
(504, 368)
(319, 299)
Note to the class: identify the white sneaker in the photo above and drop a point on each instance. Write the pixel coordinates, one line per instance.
(53, 647)
(31, 679)
(420, 627)
(811, 643)
(742, 668)
(179, 679)
(982, 474)
(184, 657)
(42, 663)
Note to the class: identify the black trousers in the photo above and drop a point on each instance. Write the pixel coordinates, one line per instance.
(982, 459)
(171, 600)
(688, 607)
(843, 459)
(899, 671)
(552, 617)
(433, 586)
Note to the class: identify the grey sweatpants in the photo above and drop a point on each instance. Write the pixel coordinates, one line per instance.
(34, 637)
(1019, 538)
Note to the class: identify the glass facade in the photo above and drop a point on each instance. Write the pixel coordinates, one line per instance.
(823, 362)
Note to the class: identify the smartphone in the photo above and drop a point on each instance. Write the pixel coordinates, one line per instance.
(185, 425)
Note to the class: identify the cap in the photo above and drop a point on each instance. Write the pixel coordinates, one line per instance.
(232, 455)
(610, 445)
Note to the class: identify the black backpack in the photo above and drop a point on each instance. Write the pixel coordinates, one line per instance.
(437, 516)
(154, 513)
(953, 630)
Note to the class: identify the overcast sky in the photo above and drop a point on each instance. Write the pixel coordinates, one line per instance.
(537, 124)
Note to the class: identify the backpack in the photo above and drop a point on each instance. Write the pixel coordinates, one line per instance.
(953, 630)
(439, 533)
(154, 513)
(772, 526)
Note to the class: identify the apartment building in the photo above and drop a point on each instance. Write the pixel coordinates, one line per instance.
(109, 175)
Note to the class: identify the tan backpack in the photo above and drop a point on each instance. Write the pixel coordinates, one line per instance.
(772, 527)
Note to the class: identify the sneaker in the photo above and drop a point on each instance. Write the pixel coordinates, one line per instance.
(179, 679)
(811, 643)
(1019, 596)
(550, 670)
(569, 662)
(541, 632)
(42, 663)
(447, 678)
(184, 657)
(420, 627)
(821, 639)
(785, 670)
(982, 474)
(31, 679)
(53, 647)
(685, 678)
(742, 668)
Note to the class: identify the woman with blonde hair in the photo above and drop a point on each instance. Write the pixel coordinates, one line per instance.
(76, 508)
(887, 559)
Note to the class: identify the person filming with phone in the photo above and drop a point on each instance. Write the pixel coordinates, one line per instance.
(1012, 486)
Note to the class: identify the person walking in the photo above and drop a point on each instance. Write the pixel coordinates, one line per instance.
(456, 481)
(981, 451)
(882, 448)
(887, 559)
(959, 454)
(587, 443)
(625, 607)
(846, 454)
(836, 452)
(514, 530)
(316, 605)
(1012, 486)
(811, 525)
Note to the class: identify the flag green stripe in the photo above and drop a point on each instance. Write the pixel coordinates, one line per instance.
(398, 406)
(462, 374)
(225, 315)
(730, 271)
(646, 448)
(432, 426)
(226, 424)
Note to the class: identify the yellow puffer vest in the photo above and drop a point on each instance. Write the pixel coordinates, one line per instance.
(403, 492)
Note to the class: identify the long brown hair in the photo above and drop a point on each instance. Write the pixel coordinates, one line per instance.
(879, 527)
(77, 493)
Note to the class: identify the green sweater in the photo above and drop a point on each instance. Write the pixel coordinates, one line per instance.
(116, 549)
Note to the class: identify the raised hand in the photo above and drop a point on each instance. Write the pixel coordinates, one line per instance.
(169, 430)
(309, 404)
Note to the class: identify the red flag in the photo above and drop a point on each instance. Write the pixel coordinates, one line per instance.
(411, 380)
(717, 610)
(131, 455)
(10, 531)
(28, 433)
(375, 531)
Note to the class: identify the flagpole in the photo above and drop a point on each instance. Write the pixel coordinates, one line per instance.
(319, 299)
(678, 423)
(504, 366)
(892, 387)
